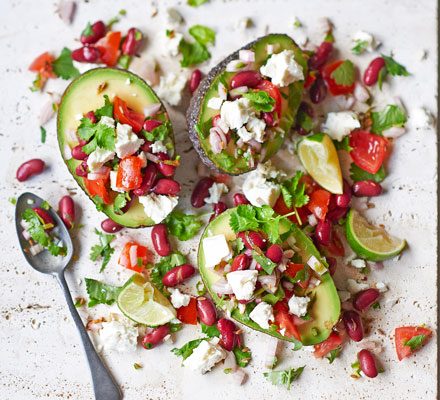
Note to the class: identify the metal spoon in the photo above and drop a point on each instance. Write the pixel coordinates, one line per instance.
(104, 386)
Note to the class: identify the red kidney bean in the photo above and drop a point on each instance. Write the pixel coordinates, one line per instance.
(165, 169)
(178, 274)
(44, 215)
(321, 56)
(92, 117)
(318, 91)
(274, 253)
(246, 78)
(98, 31)
(371, 74)
(307, 108)
(323, 232)
(30, 168)
(155, 337)
(159, 237)
(148, 180)
(150, 124)
(366, 188)
(336, 214)
(269, 118)
(218, 208)
(228, 337)
(365, 298)
(240, 198)
(332, 265)
(146, 146)
(110, 226)
(66, 211)
(367, 363)
(132, 42)
(206, 311)
(89, 54)
(201, 192)
(252, 239)
(81, 169)
(194, 81)
(343, 200)
(78, 154)
(353, 325)
(241, 262)
(167, 186)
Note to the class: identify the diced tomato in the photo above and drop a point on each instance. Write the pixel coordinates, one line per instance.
(318, 204)
(98, 187)
(285, 321)
(405, 333)
(293, 269)
(129, 174)
(222, 178)
(311, 77)
(368, 150)
(43, 65)
(109, 48)
(310, 184)
(334, 88)
(135, 262)
(123, 114)
(335, 247)
(188, 314)
(273, 92)
(331, 343)
(281, 208)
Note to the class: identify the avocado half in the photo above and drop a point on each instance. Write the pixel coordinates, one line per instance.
(86, 93)
(199, 115)
(326, 307)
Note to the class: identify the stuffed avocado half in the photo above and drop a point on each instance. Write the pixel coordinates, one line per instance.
(246, 105)
(117, 142)
(284, 289)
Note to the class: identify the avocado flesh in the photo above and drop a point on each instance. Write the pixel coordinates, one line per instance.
(199, 115)
(326, 307)
(82, 96)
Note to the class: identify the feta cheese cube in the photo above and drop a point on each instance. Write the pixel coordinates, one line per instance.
(118, 335)
(260, 191)
(257, 128)
(158, 206)
(354, 286)
(298, 305)
(215, 103)
(283, 69)
(113, 176)
(216, 191)
(236, 113)
(158, 147)
(215, 249)
(98, 158)
(340, 124)
(127, 142)
(243, 283)
(172, 42)
(316, 265)
(171, 86)
(358, 263)
(370, 43)
(107, 121)
(262, 314)
(179, 299)
(381, 287)
(205, 356)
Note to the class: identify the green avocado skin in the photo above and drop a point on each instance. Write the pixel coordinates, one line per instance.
(326, 308)
(84, 90)
(198, 115)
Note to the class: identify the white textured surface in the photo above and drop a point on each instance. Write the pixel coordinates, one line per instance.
(41, 354)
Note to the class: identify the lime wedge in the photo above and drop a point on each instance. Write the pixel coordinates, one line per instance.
(371, 242)
(319, 157)
(143, 303)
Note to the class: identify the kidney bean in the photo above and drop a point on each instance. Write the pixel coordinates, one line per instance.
(353, 325)
(98, 31)
(148, 180)
(178, 274)
(269, 118)
(201, 192)
(228, 337)
(218, 208)
(81, 169)
(88, 54)
(343, 200)
(252, 239)
(371, 74)
(332, 265)
(30, 168)
(318, 91)
(167, 186)
(336, 214)
(150, 124)
(366, 188)
(241, 262)
(194, 81)
(274, 253)
(240, 198)
(321, 56)
(365, 298)
(159, 237)
(206, 311)
(323, 232)
(66, 211)
(246, 78)
(110, 226)
(78, 154)
(132, 42)
(307, 108)
(155, 337)
(165, 169)
(367, 363)
(91, 116)
(44, 215)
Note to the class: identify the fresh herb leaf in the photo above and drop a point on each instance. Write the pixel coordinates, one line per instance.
(12, 200)
(260, 100)
(210, 331)
(103, 250)
(63, 65)
(45, 205)
(124, 61)
(105, 137)
(101, 293)
(202, 34)
(106, 110)
(89, 147)
(196, 3)
(43, 134)
(120, 202)
(175, 327)
(285, 377)
(88, 31)
(294, 192)
(381, 77)
(415, 342)
(242, 355)
(344, 74)
(79, 302)
(344, 144)
(187, 349)
(265, 263)
(317, 137)
(158, 133)
(392, 115)
(333, 354)
(193, 53)
(243, 218)
(304, 120)
(356, 370)
(165, 264)
(393, 67)
(183, 226)
(359, 47)
(358, 174)
(86, 129)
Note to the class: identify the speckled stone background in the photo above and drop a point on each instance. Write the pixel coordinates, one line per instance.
(41, 357)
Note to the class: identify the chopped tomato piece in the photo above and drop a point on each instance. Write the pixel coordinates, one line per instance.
(281, 208)
(293, 269)
(273, 92)
(318, 204)
(109, 48)
(43, 65)
(310, 184)
(188, 314)
(334, 88)
(129, 174)
(311, 77)
(368, 150)
(98, 187)
(331, 343)
(123, 114)
(285, 321)
(419, 335)
(134, 256)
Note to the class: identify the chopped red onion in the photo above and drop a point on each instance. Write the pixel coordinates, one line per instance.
(152, 109)
(248, 56)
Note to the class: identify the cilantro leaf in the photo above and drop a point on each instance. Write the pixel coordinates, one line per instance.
(304, 121)
(196, 3)
(260, 100)
(344, 74)
(63, 65)
(86, 129)
(106, 110)
(193, 53)
(333, 355)
(202, 34)
(187, 349)
(89, 147)
(415, 342)
(103, 250)
(124, 61)
(359, 47)
(393, 67)
(43, 134)
(242, 355)
(165, 264)
(293, 192)
(265, 263)
(101, 293)
(88, 31)
(158, 133)
(120, 202)
(175, 327)
(285, 377)
(183, 226)
(358, 174)
(105, 136)
(210, 331)
(243, 218)
(391, 115)
(344, 144)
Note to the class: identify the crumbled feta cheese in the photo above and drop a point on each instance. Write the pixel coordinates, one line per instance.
(256, 128)
(316, 265)
(358, 263)
(298, 305)
(179, 299)
(354, 286)
(107, 121)
(243, 283)
(215, 249)
(258, 190)
(158, 147)
(98, 158)
(127, 142)
(222, 91)
(215, 103)
(366, 37)
(170, 88)
(143, 157)
(113, 176)
(236, 113)
(205, 356)
(421, 118)
(262, 314)
(340, 124)
(381, 287)
(283, 69)
(215, 193)
(173, 18)
(344, 295)
(119, 336)
(158, 206)
(172, 42)
(313, 221)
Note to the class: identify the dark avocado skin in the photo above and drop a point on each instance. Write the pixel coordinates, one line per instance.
(194, 110)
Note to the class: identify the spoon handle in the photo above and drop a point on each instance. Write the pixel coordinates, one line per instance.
(104, 386)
